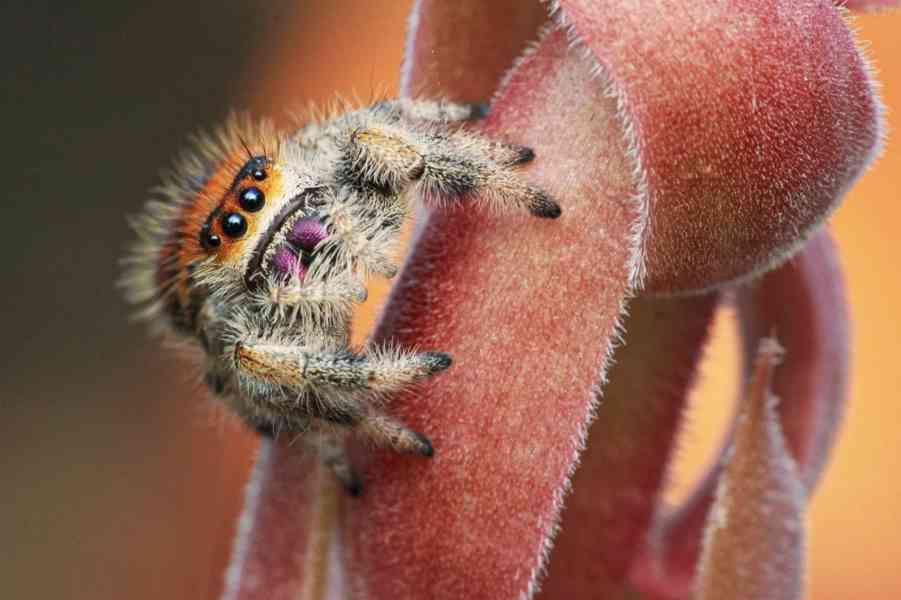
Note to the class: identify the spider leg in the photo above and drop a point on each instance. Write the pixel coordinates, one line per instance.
(446, 112)
(384, 158)
(363, 234)
(301, 368)
(322, 300)
(446, 166)
(438, 111)
(328, 449)
(332, 385)
(332, 455)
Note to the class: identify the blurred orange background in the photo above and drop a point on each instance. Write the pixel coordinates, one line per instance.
(118, 481)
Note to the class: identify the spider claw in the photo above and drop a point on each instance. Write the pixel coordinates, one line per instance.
(352, 483)
(437, 361)
(543, 207)
(478, 110)
(425, 445)
(524, 155)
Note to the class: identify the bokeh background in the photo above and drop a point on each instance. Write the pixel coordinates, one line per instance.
(117, 479)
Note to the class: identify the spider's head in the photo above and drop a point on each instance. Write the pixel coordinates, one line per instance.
(266, 223)
(229, 216)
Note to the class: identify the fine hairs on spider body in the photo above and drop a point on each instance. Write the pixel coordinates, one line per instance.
(257, 246)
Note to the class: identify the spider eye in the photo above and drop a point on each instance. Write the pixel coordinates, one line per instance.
(208, 239)
(255, 168)
(234, 225)
(251, 199)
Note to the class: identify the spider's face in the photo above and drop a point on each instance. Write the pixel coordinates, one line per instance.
(264, 222)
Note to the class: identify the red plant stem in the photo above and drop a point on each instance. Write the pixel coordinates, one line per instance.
(284, 545)
(529, 332)
(617, 486)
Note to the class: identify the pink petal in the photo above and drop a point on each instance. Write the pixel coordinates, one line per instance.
(528, 309)
(753, 546)
(804, 303)
(617, 485)
(750, 120)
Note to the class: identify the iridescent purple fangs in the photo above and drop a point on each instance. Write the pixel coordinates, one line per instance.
(296, 254)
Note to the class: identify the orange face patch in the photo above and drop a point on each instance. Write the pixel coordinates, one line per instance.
(224, 219)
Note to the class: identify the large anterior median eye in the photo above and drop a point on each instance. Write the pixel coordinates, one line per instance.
(251, 199)
(233, 219)
(234, 225)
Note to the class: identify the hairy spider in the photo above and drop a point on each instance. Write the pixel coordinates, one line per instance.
(258, 244)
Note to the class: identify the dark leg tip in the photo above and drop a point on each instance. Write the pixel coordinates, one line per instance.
(523, 156)
(425, 445)
(438, 361)
(478, 110)
(266, 430)
(354, 487)
(545, 208)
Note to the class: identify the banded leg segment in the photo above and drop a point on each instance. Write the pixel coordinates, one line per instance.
(447, 166)
(334, 386)
(306, 370)
(383, 158)
(446, 112)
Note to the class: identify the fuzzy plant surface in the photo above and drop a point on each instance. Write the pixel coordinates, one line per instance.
(696, 147)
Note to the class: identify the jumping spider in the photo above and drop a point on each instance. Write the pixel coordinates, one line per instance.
(258, 244)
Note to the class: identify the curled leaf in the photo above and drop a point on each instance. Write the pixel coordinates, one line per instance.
(617, 486)
(748, 119)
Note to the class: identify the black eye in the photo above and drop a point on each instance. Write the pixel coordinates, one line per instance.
(251, 199)
(254, 168)
(234, 225)
(208, 239)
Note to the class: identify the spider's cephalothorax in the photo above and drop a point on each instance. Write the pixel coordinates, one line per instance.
(259, 245)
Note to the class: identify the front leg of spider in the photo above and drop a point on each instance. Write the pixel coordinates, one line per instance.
(446, 167)
(338, 387)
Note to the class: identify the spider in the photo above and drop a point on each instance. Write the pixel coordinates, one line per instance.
(257, 246)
